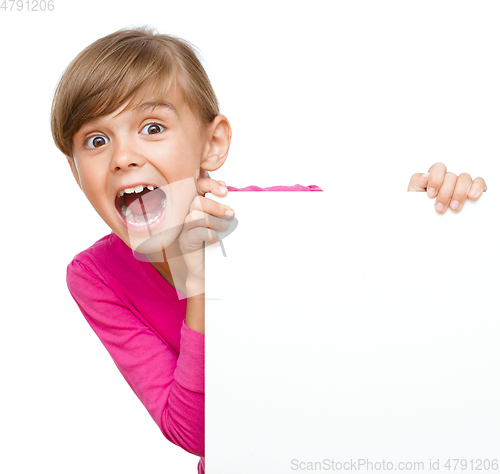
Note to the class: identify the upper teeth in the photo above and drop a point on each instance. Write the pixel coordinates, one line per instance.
(135, 189)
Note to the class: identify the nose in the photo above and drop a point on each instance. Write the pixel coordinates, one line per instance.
(124, 157)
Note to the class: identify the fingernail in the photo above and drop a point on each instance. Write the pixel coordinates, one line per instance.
(455, 204)
(225, 224)
(424, 175)
(431, 192)
(439, 207)
(222, 189)
(473, 193)
(229, 213)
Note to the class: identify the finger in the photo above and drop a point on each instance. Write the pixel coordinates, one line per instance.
(209, 206)
(446, 192)
(200, 227)
(207, 185)
(477, 188)
(199, 234)
(462, 186)
(201, 219)
(418, 182)
(437, 173)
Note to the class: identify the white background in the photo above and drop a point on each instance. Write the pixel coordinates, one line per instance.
(358, 339)
(351, 96)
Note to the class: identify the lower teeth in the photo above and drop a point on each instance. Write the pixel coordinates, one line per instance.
(127, 213)
(141, 224)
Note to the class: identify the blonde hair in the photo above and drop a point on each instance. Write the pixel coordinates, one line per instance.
(126, 66)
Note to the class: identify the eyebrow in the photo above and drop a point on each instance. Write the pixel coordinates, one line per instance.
(152, 105)
(139, 108)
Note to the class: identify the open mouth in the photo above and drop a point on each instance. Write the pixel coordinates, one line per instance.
(142, 207)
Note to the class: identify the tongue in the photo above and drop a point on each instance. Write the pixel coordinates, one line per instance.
(151, 200)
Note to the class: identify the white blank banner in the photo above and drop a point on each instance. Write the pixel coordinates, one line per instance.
(345, 328)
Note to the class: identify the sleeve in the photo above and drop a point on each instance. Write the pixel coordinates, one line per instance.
(171, 387)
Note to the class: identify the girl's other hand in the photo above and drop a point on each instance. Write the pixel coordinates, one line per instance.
(448, 188)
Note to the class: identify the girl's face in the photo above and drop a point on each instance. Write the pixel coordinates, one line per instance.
(121, 157)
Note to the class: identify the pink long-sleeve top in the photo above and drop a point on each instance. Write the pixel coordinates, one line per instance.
(136, 314)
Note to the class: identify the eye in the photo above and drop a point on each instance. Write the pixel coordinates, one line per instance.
(152, 129)
(97, 141)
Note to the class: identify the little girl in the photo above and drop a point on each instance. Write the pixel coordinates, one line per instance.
(138, 121)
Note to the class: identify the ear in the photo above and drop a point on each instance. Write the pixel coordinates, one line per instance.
(217, 147)
(71, 163)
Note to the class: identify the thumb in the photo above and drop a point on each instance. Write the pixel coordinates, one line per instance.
(418, 182)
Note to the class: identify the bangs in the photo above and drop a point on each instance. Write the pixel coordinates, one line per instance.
(123, 69)
(128, 79)
(115, 78)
